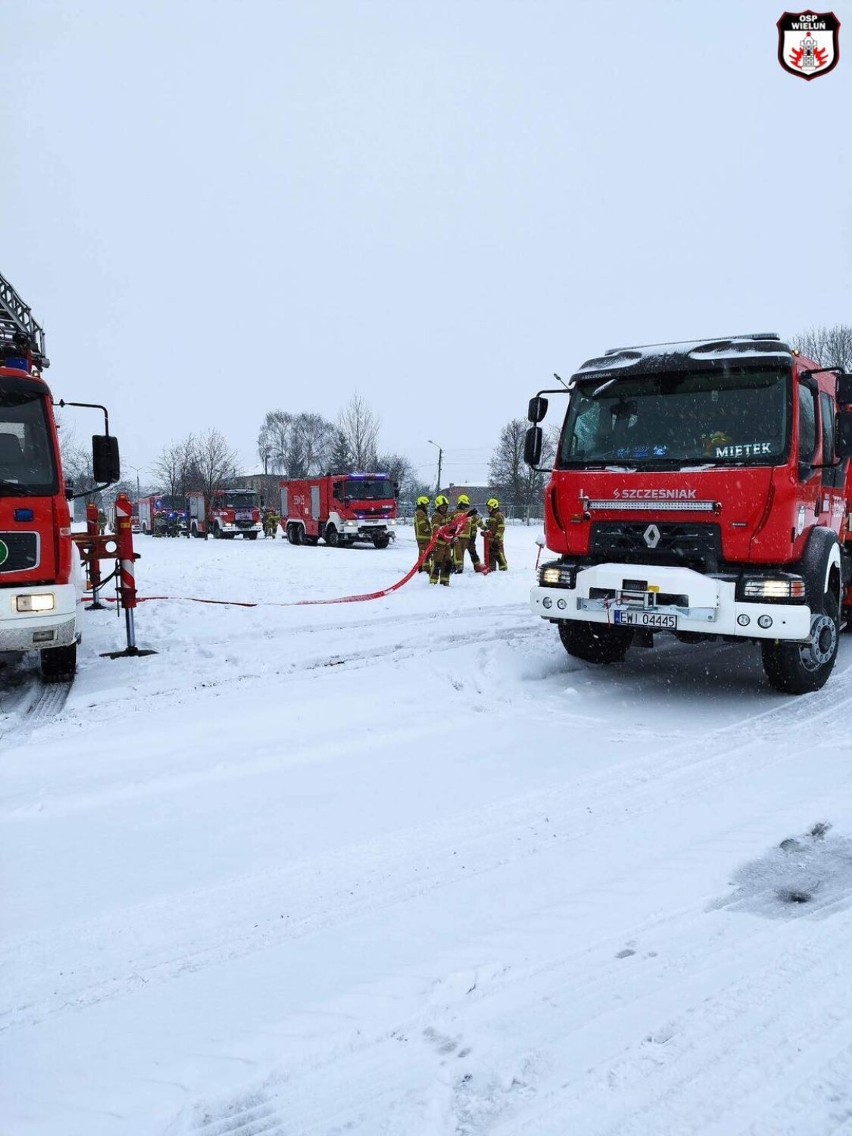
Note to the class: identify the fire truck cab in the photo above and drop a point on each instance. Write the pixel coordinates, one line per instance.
(701, 489)
(41, 578)
(340, 509)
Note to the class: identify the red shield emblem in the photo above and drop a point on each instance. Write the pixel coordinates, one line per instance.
(808, 43)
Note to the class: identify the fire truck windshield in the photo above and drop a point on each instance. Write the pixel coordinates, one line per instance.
(236, 499)
(368, 489)
(739, 415)
(27, 463)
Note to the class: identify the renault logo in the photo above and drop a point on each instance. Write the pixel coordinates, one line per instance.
(652, 536)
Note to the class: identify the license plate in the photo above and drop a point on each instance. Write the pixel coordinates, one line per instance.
(243, 514)
(645, 619)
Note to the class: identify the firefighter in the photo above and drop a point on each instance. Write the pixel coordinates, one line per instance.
(102, 522)
(462, 515)
(442, 553)
(271, 520)
(495, 526)
(476, 523)
(422, 532)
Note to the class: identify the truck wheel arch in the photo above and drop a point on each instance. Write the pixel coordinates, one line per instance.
(821, 567)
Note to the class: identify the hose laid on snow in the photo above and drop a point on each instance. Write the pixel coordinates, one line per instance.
(445, 532)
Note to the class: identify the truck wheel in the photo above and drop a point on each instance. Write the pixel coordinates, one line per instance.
(381, 541)
(194, 530)
(58, 664)
(295, 534)
(217, 532)
(332, 537)
(594, 642)
(800, 668)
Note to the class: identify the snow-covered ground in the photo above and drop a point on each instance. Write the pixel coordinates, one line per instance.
(403, 868)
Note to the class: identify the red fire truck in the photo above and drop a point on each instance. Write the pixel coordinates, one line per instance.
(162, 515)
(701, 489)
(340, 508)
(233, 512)
(41, 580)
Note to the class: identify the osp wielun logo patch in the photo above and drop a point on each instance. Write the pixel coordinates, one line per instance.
(808, 43)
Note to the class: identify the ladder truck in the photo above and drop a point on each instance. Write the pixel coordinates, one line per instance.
(41, 575)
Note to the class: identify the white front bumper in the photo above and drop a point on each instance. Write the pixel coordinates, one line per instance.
(27, 631)
(711, 606)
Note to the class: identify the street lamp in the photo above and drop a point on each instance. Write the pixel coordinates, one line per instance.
(137, 468)
(440, 459)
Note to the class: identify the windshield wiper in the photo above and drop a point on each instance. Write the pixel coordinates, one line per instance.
(13, 488)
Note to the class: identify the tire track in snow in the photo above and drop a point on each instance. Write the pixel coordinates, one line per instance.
(406, 864)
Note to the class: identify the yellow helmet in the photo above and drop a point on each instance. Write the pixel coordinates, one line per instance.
(492, 503)
(441, 500)
(422, 500)
(464, 499)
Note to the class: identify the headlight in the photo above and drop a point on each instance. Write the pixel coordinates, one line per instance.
(557, 575)
(44, 601)
(772, 588)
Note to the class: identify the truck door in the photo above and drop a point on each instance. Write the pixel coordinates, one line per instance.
(315, 502)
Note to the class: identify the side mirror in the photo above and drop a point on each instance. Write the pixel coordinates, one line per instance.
(106, 466)
(69, 488)
(843, 434)
(537, 409)
(844, 390)
(533, 440)
(396, 489)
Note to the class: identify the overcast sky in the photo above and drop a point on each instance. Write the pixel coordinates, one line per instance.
(222, 208)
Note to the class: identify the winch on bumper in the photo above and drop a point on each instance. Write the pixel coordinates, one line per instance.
(751, 605)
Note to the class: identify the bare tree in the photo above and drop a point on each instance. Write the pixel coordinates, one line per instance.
(360, 427)
(517, 482)
(175, 467)
(828, 346)
(213, 463)
(398, 469)
(77, 465)
(295, 445)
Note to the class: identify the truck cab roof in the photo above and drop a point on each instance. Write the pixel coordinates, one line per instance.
(759, 349)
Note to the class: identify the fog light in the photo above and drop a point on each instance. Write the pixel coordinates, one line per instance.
(44, 601)
(561, 604)
(743, 620)
(547, 602)
(42, 636)
(764, 621)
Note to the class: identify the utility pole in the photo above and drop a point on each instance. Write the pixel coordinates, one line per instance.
(440, 459)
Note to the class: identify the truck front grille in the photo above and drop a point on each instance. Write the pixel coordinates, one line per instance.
(694, 546)
(21, 551)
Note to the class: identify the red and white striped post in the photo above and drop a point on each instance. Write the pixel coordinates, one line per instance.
(93, 564)
(127, 570)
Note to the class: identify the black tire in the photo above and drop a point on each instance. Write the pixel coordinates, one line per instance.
(381, 541)
(332, 536)
(594, 642)
(801, 668)
(296, 538)
(58, 664)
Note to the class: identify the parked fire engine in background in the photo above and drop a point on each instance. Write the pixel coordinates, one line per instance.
(701, 489)
(41, 577)
(233, 512)
(340, 509)
(162, 515)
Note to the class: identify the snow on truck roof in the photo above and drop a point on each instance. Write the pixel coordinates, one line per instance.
(688, 355)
